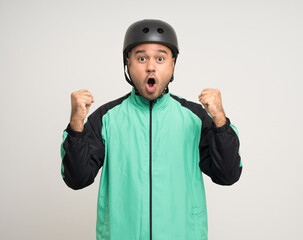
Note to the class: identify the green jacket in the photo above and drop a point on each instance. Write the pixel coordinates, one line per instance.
(152, 154)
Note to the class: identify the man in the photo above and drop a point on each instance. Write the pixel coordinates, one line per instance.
(152, 146)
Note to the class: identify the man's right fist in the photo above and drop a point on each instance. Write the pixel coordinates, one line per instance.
(81, 101)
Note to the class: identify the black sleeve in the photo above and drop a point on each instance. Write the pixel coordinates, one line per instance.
(219, 147)
(219, 152)
(84, 154)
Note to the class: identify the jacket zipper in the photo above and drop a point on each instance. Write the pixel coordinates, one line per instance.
(150, 167)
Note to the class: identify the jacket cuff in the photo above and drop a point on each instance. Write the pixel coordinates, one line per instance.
(222, 128)
(75, 133)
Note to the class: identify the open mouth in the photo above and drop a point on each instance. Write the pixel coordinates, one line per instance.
(151, 82)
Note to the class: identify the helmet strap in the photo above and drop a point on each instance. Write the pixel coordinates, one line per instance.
(127, 75)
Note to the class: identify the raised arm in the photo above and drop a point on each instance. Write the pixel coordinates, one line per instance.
(82, 150)
(219, 144)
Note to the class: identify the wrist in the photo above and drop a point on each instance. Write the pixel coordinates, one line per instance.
(219, 120)
(76, 125)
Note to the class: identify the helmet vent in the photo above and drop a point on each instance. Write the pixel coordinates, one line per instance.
(160, 30)
(145, 30)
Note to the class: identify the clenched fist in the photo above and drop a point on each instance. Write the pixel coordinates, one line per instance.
(211, 100)
(81, 102)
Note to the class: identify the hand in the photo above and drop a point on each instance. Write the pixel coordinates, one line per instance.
(211, 100)
(81, 102)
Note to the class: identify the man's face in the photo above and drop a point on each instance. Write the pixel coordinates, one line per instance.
(151, 67)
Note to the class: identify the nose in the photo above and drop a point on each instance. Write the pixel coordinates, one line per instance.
(151, 66)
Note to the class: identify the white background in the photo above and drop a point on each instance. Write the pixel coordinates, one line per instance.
(251, 50)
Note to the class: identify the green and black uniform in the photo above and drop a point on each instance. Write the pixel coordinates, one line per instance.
(152, 154)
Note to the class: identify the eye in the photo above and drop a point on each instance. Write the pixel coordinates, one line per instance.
(142, 59)
(160, 59)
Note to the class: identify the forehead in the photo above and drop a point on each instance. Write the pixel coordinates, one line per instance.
(151, 48)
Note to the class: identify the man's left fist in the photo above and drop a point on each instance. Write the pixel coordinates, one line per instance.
(211, 100)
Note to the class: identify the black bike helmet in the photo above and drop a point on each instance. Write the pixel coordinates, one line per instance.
(149, 31)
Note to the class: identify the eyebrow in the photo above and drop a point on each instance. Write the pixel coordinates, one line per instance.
(143, 51)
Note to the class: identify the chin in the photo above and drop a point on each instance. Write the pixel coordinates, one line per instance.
(150, 96)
